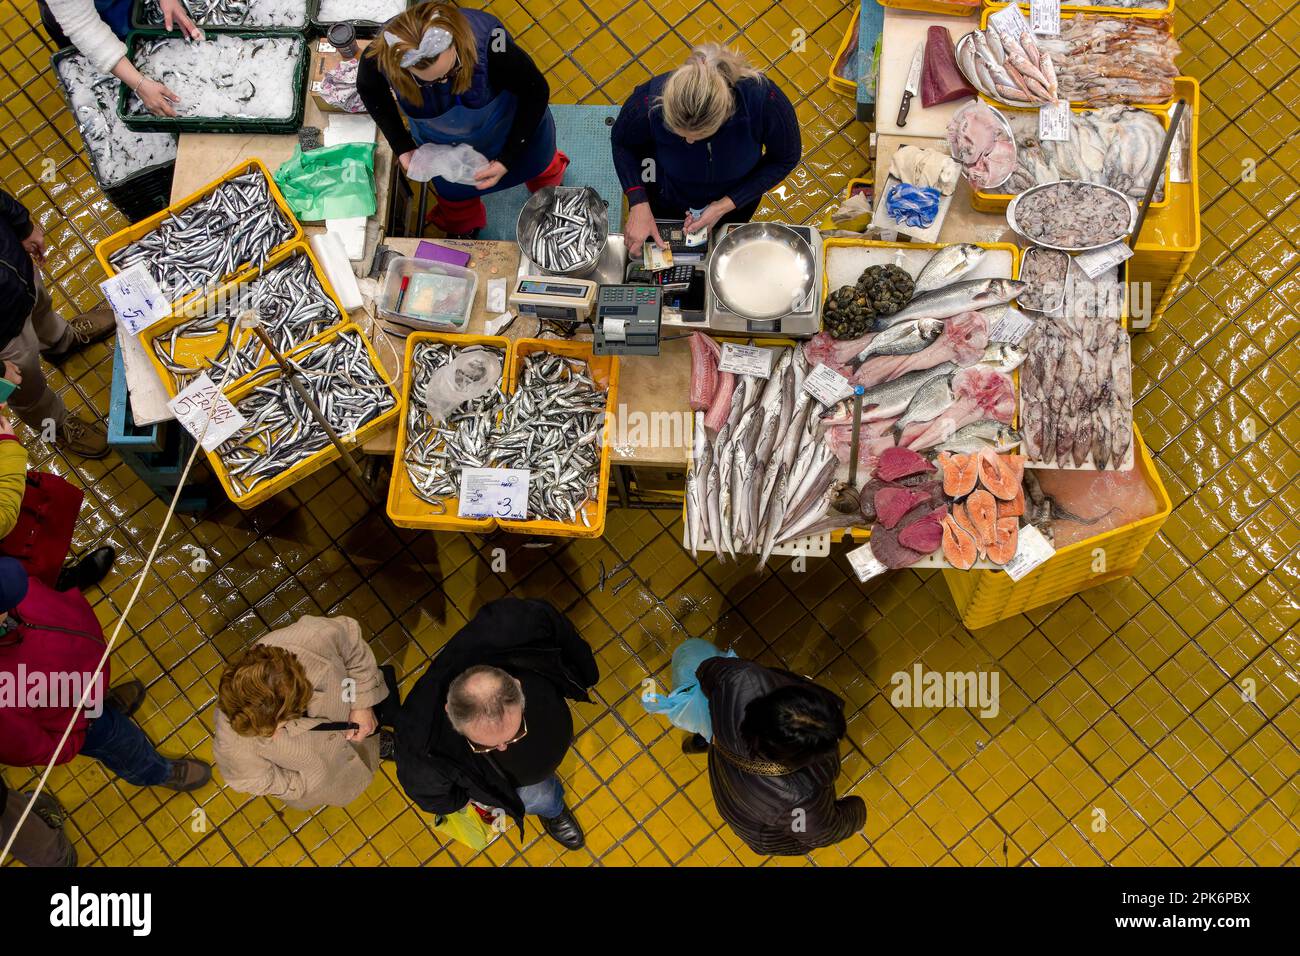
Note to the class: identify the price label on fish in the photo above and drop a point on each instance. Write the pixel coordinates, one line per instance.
(1011, 327)
(494, 493)
(746, 360)
(1045, 17)
(827, 385)
(135, 297)
(1054, 122)
(1009, 22)
(865, 564)
(1032, 549)
(1097, 261)
(205, 413)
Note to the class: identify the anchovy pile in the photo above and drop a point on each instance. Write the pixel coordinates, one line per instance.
(552, 425)
(118, 152)
(236, 224)
(288, 299)
(565, 236)
(281, 430)
(226, 76)
(235, 13)
(435, 452)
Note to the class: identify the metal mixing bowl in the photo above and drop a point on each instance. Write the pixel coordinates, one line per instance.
(783, 296)
(534, 212)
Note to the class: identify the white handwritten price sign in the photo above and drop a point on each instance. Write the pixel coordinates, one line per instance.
(205, 413)
(494, 493)
(135, 297)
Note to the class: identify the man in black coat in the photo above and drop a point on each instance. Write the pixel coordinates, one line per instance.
(29, 327)
(489, 720)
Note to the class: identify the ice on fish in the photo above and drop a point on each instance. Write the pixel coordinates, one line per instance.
(375, 11)
(224, 76)
(235, 13)
(116, 151)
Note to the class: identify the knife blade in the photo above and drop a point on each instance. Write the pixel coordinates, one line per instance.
(913, 85)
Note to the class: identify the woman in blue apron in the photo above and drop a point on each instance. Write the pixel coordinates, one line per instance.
(439, 74)
(97, 28)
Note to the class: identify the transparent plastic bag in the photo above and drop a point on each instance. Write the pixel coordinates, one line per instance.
(471, 374)
(455, 164)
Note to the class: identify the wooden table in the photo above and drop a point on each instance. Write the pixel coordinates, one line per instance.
(652, 421)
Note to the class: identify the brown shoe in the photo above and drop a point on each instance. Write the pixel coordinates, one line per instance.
(187, 774)
(87, 329)
(82, 438)
(127, 697)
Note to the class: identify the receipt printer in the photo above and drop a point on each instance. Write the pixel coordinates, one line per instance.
(626, 320)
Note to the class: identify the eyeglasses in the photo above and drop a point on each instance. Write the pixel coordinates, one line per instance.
(523, 732)
(428, 62)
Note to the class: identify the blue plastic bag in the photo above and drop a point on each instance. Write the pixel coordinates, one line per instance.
(686, 707)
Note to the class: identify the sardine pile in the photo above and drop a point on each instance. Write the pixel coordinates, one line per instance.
(238, 223)
(235, 13)
(373, 11)
(281, 430)
(117, 152)
(1076, 387)
(566, 236)
(1116, 146)
(288, 299)
(435, 452)
(553, 425)
(224, 76)
(1072, 214)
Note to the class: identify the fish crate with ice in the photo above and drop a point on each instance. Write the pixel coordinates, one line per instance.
(221, 15)
(408, 506)
(1150, 8)
(295, 71)
(366, 16)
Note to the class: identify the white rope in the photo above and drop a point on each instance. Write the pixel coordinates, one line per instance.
(112, 640)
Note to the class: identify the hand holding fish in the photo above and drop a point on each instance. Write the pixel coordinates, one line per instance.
(175, 16)
(157, 98)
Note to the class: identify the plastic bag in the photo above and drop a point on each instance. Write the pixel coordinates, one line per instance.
(686, 707)
(337, 182)
(471, 374)
(455, 164)
(465, 826)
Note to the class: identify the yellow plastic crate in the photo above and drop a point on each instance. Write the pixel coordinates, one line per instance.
(196, 352)
(1164, 11)
(852, 225)
(986, 597)
(405, 507)
(604, 371)
(118, 240)
(328, 454)
(998, 202)
(840, 85)
(950, 8)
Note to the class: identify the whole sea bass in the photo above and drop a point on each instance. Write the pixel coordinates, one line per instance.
(968, 296)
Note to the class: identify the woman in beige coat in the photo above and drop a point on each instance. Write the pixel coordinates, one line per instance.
(296, 715)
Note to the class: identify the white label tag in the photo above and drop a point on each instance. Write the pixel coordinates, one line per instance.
(494, 493)
(1013, 326)
(865, 564)
(1045, 17)
(1032, 549)
(615, 330)
(136, 298)
(1097, 261)
(317, 86)
(496, 295)
(1054, 122)
(197, 402)
(325, 47)
(499, 324)
(746, 360)
(827, 385)
(1009, 22)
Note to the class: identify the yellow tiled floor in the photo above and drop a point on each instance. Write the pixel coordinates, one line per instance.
(1123, 737)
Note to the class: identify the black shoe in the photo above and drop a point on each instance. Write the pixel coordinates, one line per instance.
(387, 745)
(87, 572)
(695, 744)
(565, 830)
(127, 697)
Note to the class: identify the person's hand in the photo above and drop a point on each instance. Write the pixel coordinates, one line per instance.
(710, 216)
(485, 177)
(35, 246)
(640, 227)
(366, 723)
(405, 160)
(174, 12)
(157, 98)
(13, 373)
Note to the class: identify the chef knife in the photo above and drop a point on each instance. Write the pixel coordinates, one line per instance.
(913, 84)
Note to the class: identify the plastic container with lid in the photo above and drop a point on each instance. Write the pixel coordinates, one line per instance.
(437, 295)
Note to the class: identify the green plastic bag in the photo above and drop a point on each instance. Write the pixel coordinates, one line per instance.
(465, 826)
(336, 182)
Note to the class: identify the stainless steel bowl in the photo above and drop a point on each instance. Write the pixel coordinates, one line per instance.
(1015, 203)
(534, 214)
(728, 260)
(1006, 128)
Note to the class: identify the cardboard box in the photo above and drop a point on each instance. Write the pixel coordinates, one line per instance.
(323, 59)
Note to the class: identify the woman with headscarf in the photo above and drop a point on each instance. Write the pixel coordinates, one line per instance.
(442, 75)
(702, 144)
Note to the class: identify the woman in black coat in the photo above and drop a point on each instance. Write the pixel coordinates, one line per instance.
(774, 758)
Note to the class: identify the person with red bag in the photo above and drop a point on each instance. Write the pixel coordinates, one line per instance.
(36, 521)
(50, 645)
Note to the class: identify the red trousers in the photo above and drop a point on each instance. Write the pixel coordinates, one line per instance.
(457, 216)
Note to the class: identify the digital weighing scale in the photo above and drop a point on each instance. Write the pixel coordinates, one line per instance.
(802, 322)
(553, 298)
(627, 320)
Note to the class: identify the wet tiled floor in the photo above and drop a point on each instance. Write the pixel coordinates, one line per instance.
(1122, 703)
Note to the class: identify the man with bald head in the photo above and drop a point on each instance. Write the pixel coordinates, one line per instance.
(489, 721)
